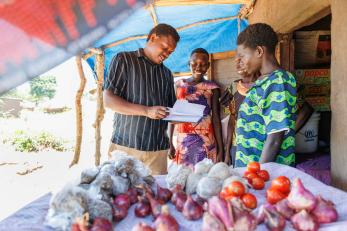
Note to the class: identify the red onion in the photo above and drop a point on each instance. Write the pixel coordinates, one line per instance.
(142, 189)
(81, 223)
(181, 198)
(143, 208)
(132, 194)
(101, 224)
(300, 198)
(211, 223)
(201, 201)
(221, 209)
(175, 190)
(303, 221)
(142, 227)
(122, 200)
(119, 212)
(245, 221)
(283, 208)
(155, 205)
(192, 210)
(163, 194)
(273, 220)
(325, 211)
(166, 222)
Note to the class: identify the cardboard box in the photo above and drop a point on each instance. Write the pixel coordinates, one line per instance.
(319, 103)
(312, 48)
(315, 90)
(313, 76)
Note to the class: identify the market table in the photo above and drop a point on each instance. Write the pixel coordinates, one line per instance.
(32, 216)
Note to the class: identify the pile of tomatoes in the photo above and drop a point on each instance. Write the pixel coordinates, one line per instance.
(256, 176)
(279, 189)
(238, 189)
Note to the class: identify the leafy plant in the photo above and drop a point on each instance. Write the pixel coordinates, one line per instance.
(25, 142)
(43, 86)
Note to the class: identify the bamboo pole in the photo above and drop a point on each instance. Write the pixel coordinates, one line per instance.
(153, 14)
(99, 69)
(78, 107)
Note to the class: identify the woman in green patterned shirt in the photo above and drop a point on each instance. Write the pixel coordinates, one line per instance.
(266, 119)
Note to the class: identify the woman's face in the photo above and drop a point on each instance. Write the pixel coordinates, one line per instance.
(199, 65)
(248, 61)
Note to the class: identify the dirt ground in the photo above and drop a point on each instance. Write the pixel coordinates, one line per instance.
(52, 170)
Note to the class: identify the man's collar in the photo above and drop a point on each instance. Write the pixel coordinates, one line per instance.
(141, 53)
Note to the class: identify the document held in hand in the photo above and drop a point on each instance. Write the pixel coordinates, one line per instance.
(183, 111)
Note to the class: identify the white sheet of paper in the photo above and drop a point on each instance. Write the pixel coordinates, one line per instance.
(183, 111)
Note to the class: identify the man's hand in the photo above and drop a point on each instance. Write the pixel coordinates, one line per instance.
(156, 112)
(172, 152)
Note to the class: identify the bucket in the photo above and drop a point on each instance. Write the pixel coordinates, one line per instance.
(306, 140)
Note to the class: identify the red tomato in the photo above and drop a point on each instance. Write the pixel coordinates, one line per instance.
(253, 167)
(250, 175)
(249, 200)
(236, 188)
(223, 194)
(258, 183)
(273, 195)
(282, 184)
(264, 175)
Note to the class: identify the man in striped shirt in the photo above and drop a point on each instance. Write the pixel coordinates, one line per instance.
(138, 88)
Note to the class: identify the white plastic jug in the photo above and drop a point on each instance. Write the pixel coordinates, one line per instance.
(306, 140)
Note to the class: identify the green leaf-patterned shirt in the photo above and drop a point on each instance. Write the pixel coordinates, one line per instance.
(269, 107)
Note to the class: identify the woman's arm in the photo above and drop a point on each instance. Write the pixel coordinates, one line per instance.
(272, 147)
(172, 150)
(216, 122)
(230, 136)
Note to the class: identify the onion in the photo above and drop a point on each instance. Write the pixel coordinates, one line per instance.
(221, 209)
(211, 223)
(325, 211)
(142, 227)
(143, 208)
(122, 200)
(303, 221)
(163, 194)
(166, 222)
(155, 205)
(132, 194)
(181, 198)
(300, 198)
(175, 190)
(273, 220)
(119, 212)
(245, 221)
(101, 224)
(192, 210)
(283, 208)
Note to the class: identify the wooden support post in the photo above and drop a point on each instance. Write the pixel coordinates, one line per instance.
(99, 69)
(286, 51)
(78, 107)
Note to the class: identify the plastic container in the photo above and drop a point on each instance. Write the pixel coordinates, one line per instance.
(306, 140)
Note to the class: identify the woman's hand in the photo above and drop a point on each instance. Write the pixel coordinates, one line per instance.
(227, 158)
(172, 152)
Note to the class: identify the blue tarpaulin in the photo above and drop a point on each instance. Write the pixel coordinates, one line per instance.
(213, 27)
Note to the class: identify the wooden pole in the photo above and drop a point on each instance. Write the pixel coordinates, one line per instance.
(99, 69)
(78, 107)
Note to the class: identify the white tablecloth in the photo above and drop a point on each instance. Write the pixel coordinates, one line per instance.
(31, 217)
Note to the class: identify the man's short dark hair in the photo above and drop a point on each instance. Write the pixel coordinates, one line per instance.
(165, 30)
(258, 34)
(200, 50)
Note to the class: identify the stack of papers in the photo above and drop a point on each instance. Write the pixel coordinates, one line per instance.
(183, 111)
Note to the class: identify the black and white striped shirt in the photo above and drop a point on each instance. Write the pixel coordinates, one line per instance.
(135, 78)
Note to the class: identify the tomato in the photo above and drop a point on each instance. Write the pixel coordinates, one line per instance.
(236, 188)
(223, 194)
(258, 183)
(249, 200)
(282, 184)
(264, 175)
(273, 195)
(253, 167)
(250, 175)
